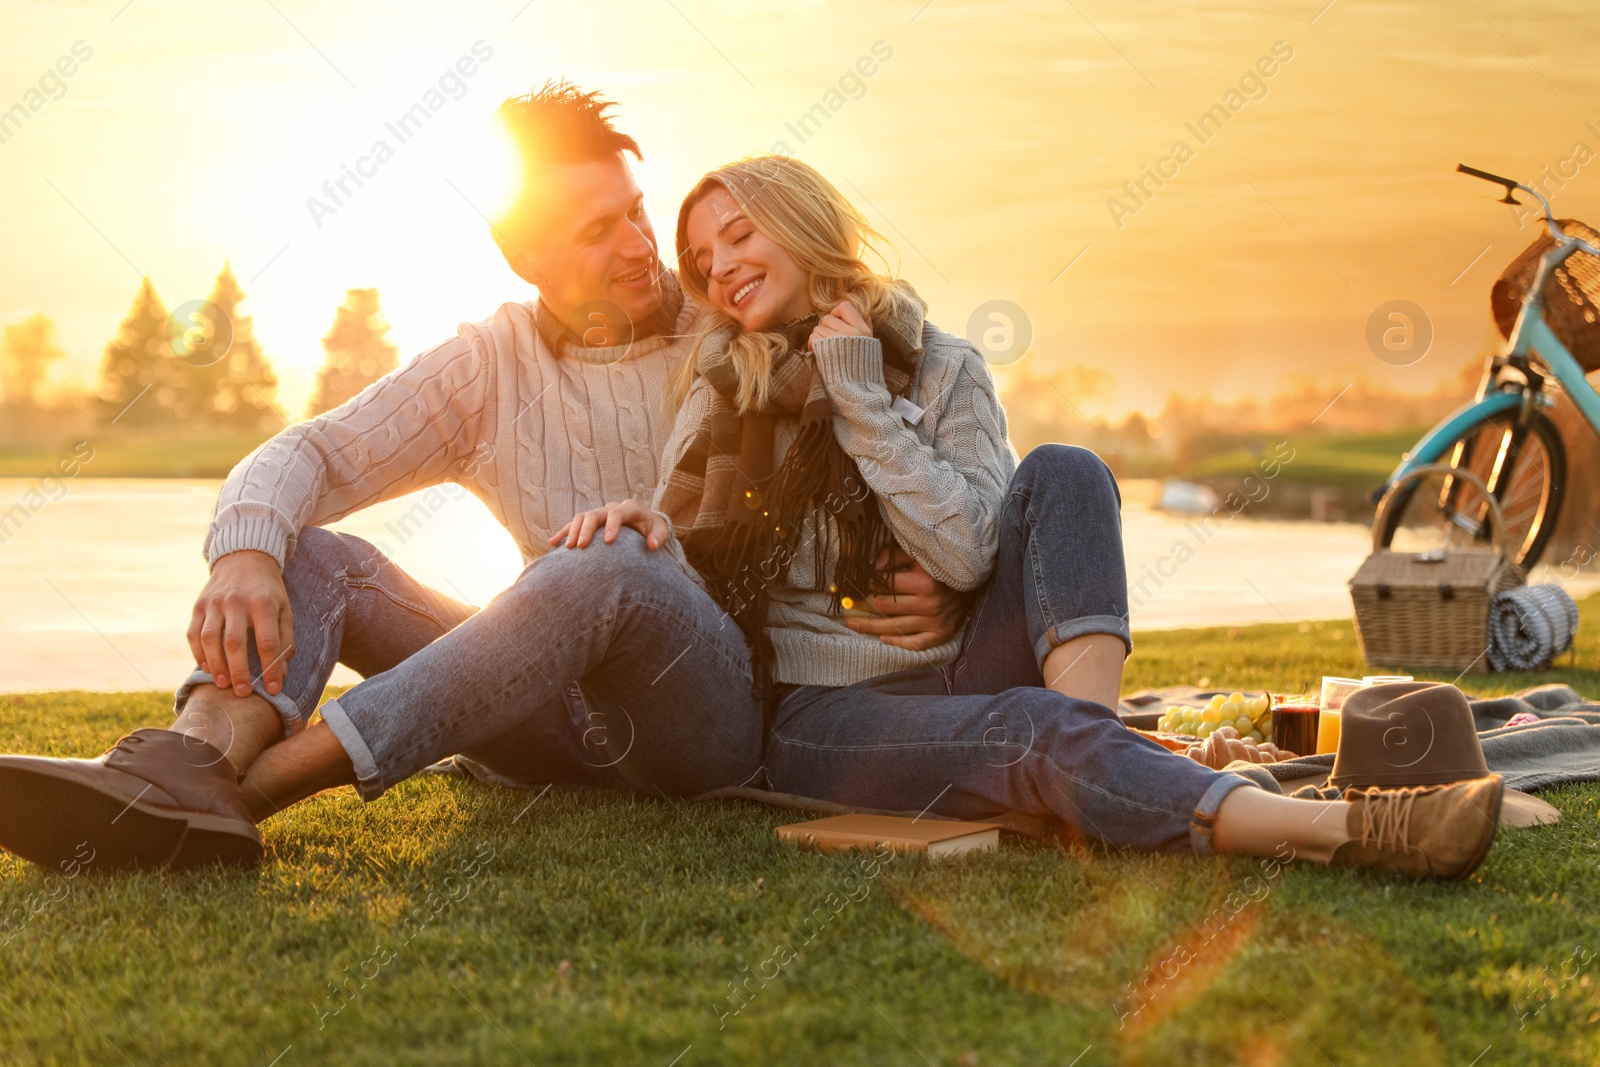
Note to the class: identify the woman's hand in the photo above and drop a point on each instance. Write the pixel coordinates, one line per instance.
(1225, 746)
(842, 321)
(613, 517)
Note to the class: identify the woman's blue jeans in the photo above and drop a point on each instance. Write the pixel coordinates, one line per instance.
(982, 738)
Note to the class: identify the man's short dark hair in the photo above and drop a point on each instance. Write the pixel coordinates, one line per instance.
(559, 123)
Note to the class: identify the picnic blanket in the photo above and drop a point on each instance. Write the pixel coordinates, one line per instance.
(1529, 626)
(1562, 745)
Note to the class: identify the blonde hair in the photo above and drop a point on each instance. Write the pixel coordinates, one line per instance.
(796, 207)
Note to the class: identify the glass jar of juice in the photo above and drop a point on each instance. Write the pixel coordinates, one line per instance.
(1335, 691)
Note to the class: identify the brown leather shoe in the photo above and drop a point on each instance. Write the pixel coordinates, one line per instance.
(155, 799)
(1436, 831)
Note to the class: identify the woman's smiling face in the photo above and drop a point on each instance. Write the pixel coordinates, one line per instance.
(749, 277)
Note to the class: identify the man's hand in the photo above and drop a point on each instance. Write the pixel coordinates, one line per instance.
(245, 592)
(612, 518)
(919, 611)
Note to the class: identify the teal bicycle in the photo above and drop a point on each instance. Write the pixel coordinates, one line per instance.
(1505, 436)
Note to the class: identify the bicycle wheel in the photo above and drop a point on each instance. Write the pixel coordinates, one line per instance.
(1525, 467)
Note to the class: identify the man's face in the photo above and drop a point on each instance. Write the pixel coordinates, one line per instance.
(587, 243)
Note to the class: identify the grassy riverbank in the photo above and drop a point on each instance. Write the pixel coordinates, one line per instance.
(165, 455)
(604, 929)
(1352, 461)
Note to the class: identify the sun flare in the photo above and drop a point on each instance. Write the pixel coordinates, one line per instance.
(490, 165)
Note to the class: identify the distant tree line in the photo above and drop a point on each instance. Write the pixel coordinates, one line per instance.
(198, 367)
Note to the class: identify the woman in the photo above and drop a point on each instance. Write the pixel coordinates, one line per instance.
(822, 418)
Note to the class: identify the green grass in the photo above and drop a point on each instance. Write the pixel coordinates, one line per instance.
(168, 455)
(606, 929)
(1344, 461)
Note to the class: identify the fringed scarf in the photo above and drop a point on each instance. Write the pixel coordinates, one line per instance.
(739, 519)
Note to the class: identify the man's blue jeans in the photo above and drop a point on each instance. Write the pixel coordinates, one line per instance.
(605, 666)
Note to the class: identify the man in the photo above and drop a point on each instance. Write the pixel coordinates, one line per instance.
(547, 409)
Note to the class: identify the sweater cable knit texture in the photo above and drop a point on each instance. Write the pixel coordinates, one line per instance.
(535, 435)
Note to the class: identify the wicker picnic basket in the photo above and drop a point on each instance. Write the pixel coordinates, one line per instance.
(1430, 609)
(1571, 301)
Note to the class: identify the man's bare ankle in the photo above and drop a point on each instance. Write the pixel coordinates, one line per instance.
(207, 695)
(238, 727)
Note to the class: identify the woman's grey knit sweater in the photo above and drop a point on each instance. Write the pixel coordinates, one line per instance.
(940, 484)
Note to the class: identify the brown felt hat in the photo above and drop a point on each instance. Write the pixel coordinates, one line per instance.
(1407, 733)
(1418, 733)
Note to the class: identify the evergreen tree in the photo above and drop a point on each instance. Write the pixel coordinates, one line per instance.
(227, 379)
(30, 347)
(25, 357)
(358, 352)
(138, 365)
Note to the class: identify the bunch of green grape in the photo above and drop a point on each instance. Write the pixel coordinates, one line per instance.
(1251, 716)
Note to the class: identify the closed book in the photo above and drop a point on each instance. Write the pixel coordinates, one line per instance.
(936, 837)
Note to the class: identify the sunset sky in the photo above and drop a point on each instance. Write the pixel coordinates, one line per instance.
(987, 143)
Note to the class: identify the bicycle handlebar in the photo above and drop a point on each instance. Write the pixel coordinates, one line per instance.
(1509, 183)
(1556, 233)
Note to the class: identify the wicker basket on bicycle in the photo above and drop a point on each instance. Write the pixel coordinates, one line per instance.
(1431, 609)
(1572, 299)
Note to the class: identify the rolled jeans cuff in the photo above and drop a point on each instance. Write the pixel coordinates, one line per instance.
(1205, 812)
(369, 782)
(1061, 633)
(294, 720)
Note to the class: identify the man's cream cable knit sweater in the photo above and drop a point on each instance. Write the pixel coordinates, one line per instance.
(535, 435)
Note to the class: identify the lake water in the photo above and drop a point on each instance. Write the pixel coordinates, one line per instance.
(97, 585)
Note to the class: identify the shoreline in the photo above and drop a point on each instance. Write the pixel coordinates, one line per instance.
(97, 584)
